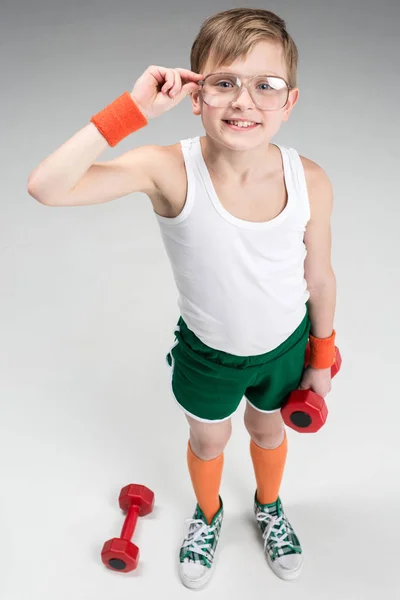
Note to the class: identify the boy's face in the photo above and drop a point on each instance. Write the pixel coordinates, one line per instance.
(265, 58)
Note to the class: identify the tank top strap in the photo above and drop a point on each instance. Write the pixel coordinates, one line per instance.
(297, 177)
(187, 152)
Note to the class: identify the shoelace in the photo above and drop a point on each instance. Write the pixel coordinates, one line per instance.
(276, 525)
(199, 533)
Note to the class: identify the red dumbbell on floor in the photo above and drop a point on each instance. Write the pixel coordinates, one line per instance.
(305, 411)
(119, 554)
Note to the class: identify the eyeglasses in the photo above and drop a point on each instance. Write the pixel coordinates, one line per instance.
(268, 92)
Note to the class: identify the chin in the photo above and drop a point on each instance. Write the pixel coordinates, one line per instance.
(245, 139)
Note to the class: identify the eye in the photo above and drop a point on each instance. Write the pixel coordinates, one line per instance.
(218, 84)
(266, 88)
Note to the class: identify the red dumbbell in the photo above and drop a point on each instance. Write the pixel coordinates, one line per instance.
(305, 411)
(120, 554)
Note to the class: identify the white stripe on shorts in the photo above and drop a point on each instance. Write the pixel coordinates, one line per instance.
(171, 373)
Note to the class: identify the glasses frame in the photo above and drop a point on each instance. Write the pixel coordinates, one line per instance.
(246, 85)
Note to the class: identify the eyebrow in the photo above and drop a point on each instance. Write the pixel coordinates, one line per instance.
(250, 76)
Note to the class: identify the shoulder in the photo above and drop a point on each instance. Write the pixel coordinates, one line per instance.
(168, 173)
(165, 161)
(171, 151)
(314, 173)
(169, 156)
(319, 186)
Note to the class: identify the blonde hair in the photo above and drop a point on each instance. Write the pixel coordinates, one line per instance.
(230, 34)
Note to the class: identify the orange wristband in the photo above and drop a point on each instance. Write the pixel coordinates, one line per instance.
(322, 351)
(119, 119)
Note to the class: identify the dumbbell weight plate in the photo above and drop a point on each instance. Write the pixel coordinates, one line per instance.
(306, 412)
(139, 495)
(120, 555)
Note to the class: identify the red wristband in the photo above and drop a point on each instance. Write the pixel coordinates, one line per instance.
(322, 351)
(119, 119)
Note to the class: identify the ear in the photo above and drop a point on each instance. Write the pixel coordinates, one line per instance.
(196, 103)
(293, 97)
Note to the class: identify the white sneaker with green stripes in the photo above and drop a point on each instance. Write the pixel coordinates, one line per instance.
(197, 553)
(281, 544)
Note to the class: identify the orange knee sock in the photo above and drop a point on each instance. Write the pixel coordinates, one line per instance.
(206, 479)
(268, 468)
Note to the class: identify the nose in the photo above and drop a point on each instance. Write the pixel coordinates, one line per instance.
(244, 99)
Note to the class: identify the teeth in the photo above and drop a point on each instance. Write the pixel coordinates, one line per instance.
(241, 123)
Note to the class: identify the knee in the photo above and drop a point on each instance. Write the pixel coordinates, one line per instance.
(210, 444)
(269, 436)
(268, 441)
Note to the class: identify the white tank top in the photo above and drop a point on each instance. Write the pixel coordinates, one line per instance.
(241, 285)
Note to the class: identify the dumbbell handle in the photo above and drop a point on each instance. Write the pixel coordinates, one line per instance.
(129, 526)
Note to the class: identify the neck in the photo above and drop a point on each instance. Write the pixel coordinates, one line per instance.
(239, 166)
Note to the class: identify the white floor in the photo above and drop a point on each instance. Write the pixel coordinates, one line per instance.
(88, 307)
(86, 409)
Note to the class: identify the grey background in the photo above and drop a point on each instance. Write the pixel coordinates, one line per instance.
(88, 307)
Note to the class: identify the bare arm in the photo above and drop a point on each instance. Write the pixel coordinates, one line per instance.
(71, 177)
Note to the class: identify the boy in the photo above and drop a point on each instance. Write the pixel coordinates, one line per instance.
(246, 226)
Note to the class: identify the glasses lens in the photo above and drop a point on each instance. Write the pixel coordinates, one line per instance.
(268, 92)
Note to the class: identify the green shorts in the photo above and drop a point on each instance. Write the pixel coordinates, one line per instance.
(209, 384)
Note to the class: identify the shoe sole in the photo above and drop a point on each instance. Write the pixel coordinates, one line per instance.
(197, 584)
(285, 574)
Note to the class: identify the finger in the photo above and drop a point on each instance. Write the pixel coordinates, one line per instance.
(189, 88)
(172, 91)
(191, 75)
(303, 386)
(177, 85)
(159, 73)
(169, 81)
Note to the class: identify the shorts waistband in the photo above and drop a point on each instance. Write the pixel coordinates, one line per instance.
(241, 362)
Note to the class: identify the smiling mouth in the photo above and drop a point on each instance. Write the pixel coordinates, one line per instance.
(230, 123)
(242, 121)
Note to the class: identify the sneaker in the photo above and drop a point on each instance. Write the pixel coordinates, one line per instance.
(281, 544)
(197, 552)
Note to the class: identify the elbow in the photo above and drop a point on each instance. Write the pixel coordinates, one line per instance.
(323, 282)
(33, 191)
